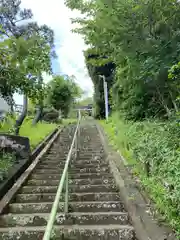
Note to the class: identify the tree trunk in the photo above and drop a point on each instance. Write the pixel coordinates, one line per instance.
(22, 116)
(163, 102)
(10, 102)
(173, 102)
(38, 115)
(39, 110)
(12, 108)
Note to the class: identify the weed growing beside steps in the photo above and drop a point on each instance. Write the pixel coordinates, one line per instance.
(152, 150)
(6, 162)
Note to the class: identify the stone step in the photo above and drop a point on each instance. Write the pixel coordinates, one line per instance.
(74, 170)
(72, 188)
(71, 176)
(90, 155)
(20, 208)
(52, 182)
(76, 197)
(86, 232)
(72, 165)
(61, 158)
(97, 149)
(88, 152)
(41, 219)
(78, 162)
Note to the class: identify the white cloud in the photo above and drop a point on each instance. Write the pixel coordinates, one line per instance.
(69, 46)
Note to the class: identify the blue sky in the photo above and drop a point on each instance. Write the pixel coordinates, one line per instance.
(69, 46)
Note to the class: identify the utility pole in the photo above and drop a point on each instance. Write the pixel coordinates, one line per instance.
(105, 96)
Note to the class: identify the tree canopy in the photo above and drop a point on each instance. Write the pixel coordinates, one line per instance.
(62, 93)
(141, 41)
(26, 51)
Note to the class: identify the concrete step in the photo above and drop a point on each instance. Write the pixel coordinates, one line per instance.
(74, 170)
(41, 219)
(62, 157)
(76, 197)
(94, 149)
(98, 153)
(75, 162)
(72, 188)
(86, 232)
(89, 152)
(20, 208)
(72, 165)
(50, 182)
(83, 156)
(71, 176)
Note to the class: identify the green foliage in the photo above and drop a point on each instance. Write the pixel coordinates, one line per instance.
(62, 93)
(6, 125)
(26, 50)
(6, 162)
(99, 65)
(142, 40)
(156, 143)
(50, 115)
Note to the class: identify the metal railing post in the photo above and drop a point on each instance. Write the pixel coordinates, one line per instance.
(66, 204)
(76, 147)
(78, 133)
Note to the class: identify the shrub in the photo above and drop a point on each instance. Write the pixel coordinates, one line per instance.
(6, 162)
(50, 115)
(156, 144)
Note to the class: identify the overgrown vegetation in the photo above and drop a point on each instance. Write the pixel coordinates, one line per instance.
(151, 148)
(135, 45)
(6, 162)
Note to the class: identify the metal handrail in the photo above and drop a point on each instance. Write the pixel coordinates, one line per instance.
(49, 227)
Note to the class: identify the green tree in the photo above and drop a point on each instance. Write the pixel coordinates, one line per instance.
(62, 93)
(33, 47)
(142, 40)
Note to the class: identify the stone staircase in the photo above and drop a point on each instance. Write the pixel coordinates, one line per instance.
(95, 209)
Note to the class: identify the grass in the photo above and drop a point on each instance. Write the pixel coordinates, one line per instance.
(155, 143)
(6, 126)
(37, 133)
